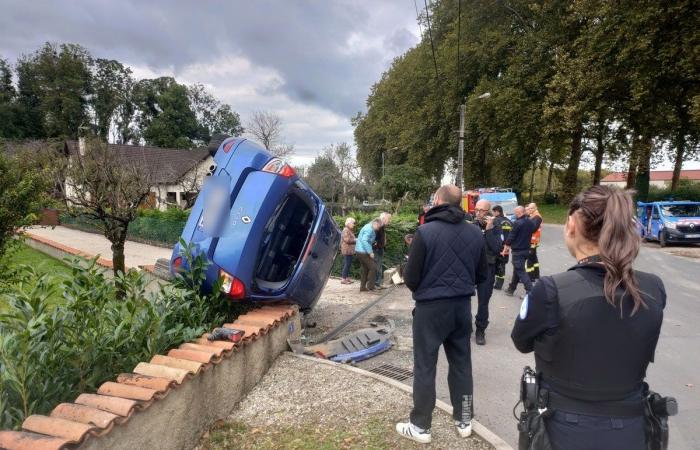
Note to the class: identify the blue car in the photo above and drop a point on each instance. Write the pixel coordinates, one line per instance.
(262, 229)
(669, 222)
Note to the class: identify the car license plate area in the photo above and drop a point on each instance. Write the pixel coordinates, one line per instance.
(692, 236)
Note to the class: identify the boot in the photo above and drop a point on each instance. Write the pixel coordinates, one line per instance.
(480, 337)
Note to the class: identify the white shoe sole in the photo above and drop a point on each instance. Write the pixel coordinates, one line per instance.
(421, 439)
(464, 432)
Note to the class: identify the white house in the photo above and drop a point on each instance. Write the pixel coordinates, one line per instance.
(658, 178)
(178, 174)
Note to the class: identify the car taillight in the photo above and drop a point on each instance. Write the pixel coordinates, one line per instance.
(232, 286)
(177, 263)
(276, 165)
(228, 145)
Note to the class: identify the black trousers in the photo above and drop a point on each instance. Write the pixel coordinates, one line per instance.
(532, 264)
(519, 271)
(484, 291)
(500, 276)
(444, 323)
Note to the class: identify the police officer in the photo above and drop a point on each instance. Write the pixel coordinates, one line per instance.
(505, 226)
(594, 329)
(532, 264)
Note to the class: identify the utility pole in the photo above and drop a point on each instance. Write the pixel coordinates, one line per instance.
(460, 153)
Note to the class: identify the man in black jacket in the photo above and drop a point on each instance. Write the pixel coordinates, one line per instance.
(518, 243)
(447, 259)
(494, 247)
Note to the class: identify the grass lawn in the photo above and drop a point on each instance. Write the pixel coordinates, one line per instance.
(42, 263)
(553, 213)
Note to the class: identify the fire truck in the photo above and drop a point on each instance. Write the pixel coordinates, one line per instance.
(504, 197)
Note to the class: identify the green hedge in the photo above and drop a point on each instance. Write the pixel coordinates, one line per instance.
(396, 248)
(151, 226)
(685, 191)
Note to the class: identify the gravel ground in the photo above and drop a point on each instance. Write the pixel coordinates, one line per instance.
(687, 250)
(333, 408)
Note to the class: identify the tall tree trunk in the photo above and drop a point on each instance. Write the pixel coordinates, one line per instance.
(570, 187)
(550, 172)
(532, 180)
(643, 168)
(678, 163)
(599, 153)
(633, 163)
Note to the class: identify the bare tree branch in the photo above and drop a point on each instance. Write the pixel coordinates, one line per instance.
(266, 127)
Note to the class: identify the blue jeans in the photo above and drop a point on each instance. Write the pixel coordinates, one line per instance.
(347, 262)
(378, 254)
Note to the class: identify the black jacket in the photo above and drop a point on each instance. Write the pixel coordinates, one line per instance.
(447, 257)
(583, 346)
(519, 237)
(492, 239)
(380, 239)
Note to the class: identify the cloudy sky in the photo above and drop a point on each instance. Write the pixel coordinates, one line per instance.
(312, 61)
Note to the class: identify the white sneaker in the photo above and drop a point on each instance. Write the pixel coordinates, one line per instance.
(464, 429)
(412, 432)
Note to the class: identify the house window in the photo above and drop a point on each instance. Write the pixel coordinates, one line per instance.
(171, 198)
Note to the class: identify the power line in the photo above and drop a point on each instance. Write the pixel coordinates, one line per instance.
(420, 28)
(430, 34)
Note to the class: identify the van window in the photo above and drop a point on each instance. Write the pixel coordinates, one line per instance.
(284, 239)
(655, 213)
(688, 210)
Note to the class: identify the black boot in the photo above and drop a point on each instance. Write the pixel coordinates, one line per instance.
(480, 337)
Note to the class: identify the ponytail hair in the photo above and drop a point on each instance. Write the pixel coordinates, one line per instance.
(606, 215)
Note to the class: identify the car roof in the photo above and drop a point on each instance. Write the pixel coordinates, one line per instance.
(675, 202)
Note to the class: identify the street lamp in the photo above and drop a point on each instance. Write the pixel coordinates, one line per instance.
(460, 153)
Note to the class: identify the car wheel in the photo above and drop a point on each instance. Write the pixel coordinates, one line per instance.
(662, 239)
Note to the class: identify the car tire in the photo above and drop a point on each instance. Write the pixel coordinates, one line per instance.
(662, 239)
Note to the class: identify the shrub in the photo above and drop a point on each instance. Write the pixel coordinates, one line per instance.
(50, 354)
(685, 191)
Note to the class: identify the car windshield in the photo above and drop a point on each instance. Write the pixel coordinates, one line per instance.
(688, 210)
(507, 205)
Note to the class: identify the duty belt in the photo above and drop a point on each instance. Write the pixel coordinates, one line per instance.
(618, 408)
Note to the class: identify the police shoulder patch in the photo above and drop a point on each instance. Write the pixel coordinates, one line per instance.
(523, 308)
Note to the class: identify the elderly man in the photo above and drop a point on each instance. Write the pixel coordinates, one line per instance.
(379, 246)
(494, 247)
(446, 261)
(532, 265)
(518, 243)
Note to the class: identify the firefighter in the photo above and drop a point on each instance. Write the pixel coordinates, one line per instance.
(532, 265)
(505, 226)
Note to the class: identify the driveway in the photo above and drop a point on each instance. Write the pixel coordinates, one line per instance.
(497, 366)
(136, 254)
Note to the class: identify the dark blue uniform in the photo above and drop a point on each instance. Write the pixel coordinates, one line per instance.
(592, 355)
(519, 242)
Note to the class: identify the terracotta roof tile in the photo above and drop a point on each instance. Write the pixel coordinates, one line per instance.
(119, 406)
(251, 331)
(156, 370)
(126, 391)
(75, 432)
(192, 367)
(191, 355)
(226, 345)
(160, 385)
(257, 321)
(17, 440)
(215, 351)
(84, 414)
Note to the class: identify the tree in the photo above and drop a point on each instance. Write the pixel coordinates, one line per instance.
(54, 89)
(213, 117)
(108, 187)
(112, 84)
(324, 177)
(404, 179)
(165, 115)
(22, 188)
(10, 112)
(283, 150)
(266, 127)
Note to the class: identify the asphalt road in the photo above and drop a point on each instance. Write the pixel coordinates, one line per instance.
(497, 366)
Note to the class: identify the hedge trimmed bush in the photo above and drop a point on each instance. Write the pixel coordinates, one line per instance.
(50, 354)
(685, 191)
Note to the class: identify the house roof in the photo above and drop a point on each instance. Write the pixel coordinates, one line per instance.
(169, 164)
(654, 175)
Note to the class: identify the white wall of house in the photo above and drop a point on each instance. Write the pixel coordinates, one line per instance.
(173, 195)
(656, 183)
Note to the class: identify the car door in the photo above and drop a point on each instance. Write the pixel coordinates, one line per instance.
(655, 222)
